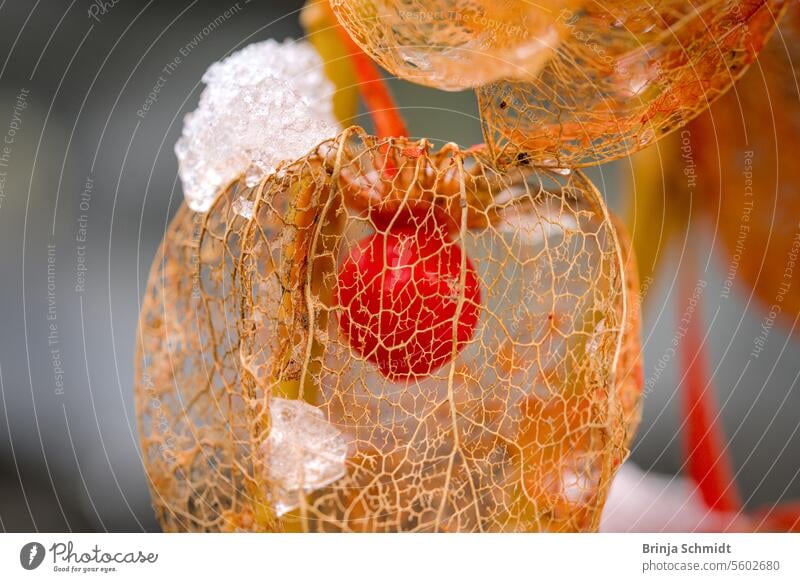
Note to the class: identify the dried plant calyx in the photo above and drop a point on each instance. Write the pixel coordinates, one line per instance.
(520, 430)
(625, 74)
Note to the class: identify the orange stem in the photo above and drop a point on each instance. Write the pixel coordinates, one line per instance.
(379, 101)
(709, 464)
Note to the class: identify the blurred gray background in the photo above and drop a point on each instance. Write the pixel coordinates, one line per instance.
(68, 445)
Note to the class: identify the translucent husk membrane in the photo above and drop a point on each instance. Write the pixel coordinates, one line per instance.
(568, 83)
(256, 414)
(456, 44)
(625, 74)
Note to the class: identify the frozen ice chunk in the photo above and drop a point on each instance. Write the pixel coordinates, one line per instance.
(243, 207)
(303, 452)
(264, 104)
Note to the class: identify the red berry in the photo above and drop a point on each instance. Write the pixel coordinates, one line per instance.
(399, 291)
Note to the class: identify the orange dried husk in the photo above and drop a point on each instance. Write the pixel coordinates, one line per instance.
(522, 431)
(625, 74)
(455, 44)
(747, 169)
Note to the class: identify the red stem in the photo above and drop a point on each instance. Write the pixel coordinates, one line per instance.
(379, 101)
(709, 464)
(781, 518)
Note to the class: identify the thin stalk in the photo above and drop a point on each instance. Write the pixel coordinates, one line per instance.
(707, 459)
(374, 91)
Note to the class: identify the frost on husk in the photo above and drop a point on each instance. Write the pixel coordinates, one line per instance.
(521, 431)
(264, 104)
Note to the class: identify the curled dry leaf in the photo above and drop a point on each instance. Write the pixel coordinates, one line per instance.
(624, 74)
(746, 148)
(455, 45)
(521, 429)
(734, 167)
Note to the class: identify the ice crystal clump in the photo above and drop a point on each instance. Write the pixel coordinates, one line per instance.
(264, 104)
(303, 452)
(243, 207)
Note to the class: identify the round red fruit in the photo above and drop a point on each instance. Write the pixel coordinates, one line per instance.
(408, 296)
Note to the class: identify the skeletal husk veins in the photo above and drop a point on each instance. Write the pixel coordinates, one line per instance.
(623, 75)
(521, 431)
(455, 46)
(567, 83)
